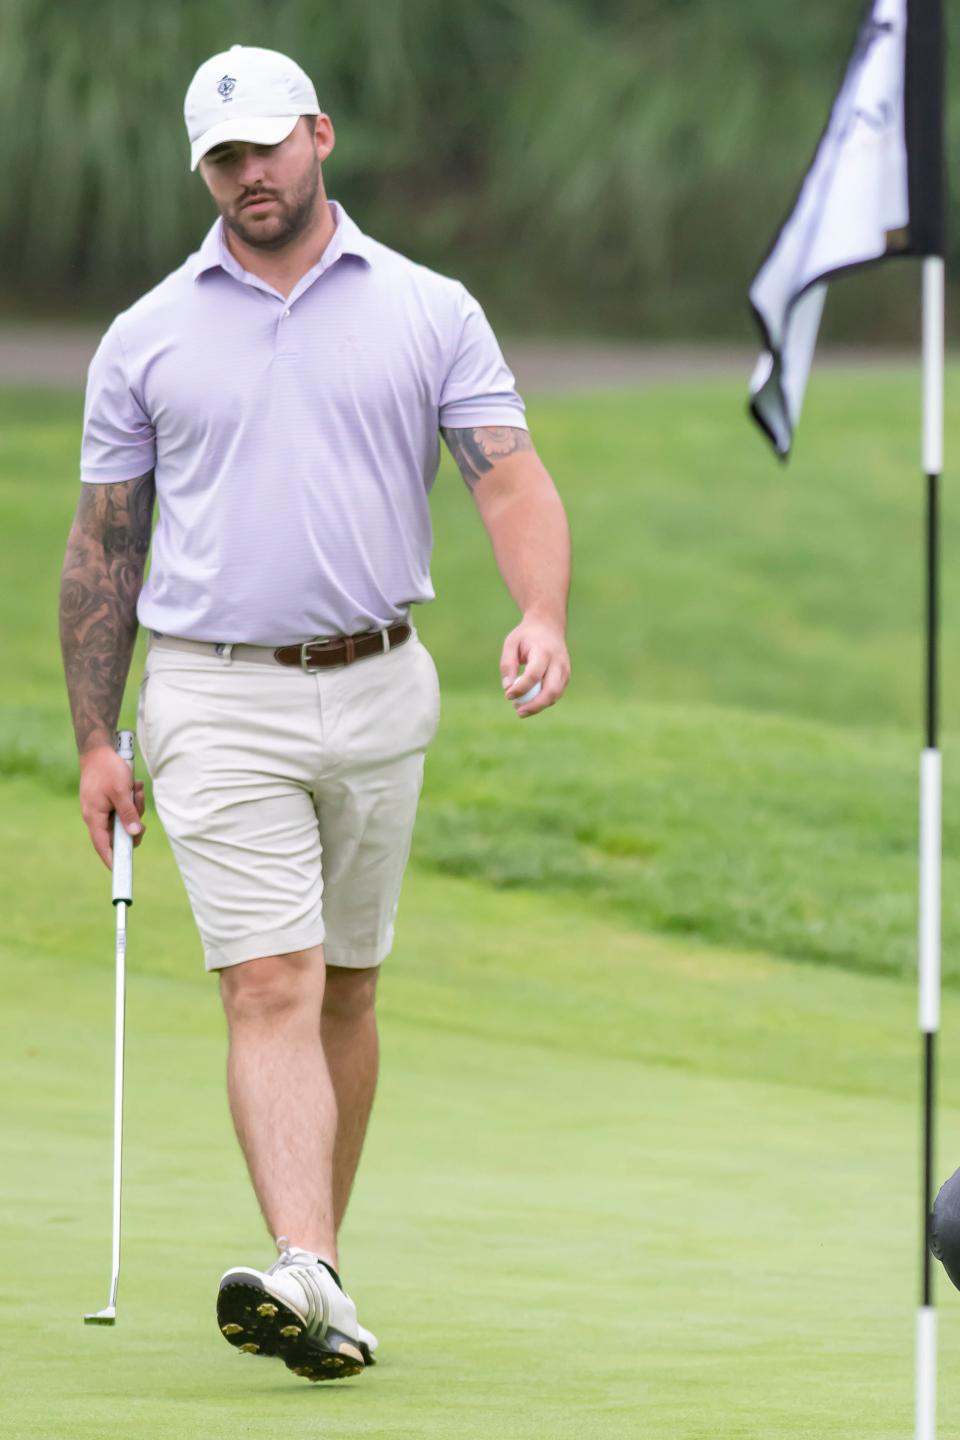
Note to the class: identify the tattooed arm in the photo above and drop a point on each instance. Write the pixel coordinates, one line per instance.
(102, 578)
(527, 525)
(477, 451)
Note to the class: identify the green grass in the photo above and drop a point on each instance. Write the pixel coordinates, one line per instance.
(643, 1162)
(755, 830)
(616, 1186)
(737, 757)
(704, 572)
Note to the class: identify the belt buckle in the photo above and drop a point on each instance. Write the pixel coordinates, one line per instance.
(314, 645)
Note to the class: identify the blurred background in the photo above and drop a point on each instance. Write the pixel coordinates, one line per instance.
(643, 1162)
(590, 166)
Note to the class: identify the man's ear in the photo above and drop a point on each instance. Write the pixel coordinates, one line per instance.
(323, 135)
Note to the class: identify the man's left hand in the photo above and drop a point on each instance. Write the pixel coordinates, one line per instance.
(540, 647)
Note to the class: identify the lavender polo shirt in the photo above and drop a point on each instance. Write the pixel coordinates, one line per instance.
(294, 442)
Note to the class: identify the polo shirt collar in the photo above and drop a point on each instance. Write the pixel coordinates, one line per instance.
(347, 239)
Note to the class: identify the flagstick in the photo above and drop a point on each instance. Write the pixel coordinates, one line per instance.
(930, 829)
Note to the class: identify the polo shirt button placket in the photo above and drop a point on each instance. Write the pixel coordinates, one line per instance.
(283, 350)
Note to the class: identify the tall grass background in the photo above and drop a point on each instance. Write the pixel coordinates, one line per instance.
(585, 164)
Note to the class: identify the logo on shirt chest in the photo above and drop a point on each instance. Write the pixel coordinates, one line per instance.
(226, 87)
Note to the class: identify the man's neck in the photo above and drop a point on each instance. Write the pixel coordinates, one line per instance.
(283, 268)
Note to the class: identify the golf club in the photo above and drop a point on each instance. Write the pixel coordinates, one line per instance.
(122, 897)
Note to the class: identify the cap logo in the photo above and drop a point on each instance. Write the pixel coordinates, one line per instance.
(226, 87)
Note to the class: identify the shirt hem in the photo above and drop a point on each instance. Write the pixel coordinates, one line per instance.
(453, 417)
(95, 477)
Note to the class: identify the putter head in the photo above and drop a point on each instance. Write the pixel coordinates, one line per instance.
(107, 1316)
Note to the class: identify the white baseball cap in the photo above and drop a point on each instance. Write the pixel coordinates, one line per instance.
(246, 93)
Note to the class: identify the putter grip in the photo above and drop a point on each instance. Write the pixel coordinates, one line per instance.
(122, 839)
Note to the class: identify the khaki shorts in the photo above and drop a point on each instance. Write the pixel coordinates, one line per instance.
(289, 798)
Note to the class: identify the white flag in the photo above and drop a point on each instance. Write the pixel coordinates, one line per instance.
(859, 202)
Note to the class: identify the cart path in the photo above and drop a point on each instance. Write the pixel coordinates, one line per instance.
(49, 356)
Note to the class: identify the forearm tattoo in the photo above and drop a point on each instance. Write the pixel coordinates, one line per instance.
(102, 578)
(477, 451)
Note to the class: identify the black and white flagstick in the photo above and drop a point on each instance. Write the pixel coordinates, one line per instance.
(876, 189)
(930, 829)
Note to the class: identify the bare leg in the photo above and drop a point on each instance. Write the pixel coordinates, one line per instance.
(349, 1030)
(281, 1097)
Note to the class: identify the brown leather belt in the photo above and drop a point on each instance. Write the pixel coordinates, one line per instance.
(342, 649)
(311, 655)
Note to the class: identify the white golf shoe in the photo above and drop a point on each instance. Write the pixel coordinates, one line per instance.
(297, 1310)
(368, 1343)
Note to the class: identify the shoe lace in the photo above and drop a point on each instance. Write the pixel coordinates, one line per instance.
(287, 1256)
(293, 1255)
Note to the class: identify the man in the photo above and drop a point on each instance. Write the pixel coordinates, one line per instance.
(280, 396)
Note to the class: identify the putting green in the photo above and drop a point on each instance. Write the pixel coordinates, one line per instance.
(615, 1186)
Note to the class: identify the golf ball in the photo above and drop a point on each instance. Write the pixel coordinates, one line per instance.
(531, 694)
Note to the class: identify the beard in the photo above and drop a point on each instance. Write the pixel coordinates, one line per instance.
(292, 215)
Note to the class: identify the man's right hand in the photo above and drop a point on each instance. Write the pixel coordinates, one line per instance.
(105, 787)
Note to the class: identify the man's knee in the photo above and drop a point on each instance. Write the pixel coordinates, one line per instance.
(349, 994)
(274, 985)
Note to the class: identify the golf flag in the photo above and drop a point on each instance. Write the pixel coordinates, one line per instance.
(875, 189)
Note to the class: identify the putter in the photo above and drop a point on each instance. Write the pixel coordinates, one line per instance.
(122, 897)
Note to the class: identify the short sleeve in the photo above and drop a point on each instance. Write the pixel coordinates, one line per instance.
(118, 438)
(479, 388)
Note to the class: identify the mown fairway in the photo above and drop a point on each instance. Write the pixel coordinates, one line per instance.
(643, 1162)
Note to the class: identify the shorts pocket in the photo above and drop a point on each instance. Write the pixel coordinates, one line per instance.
(171, 723)
(431, 690)
(141, 743)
